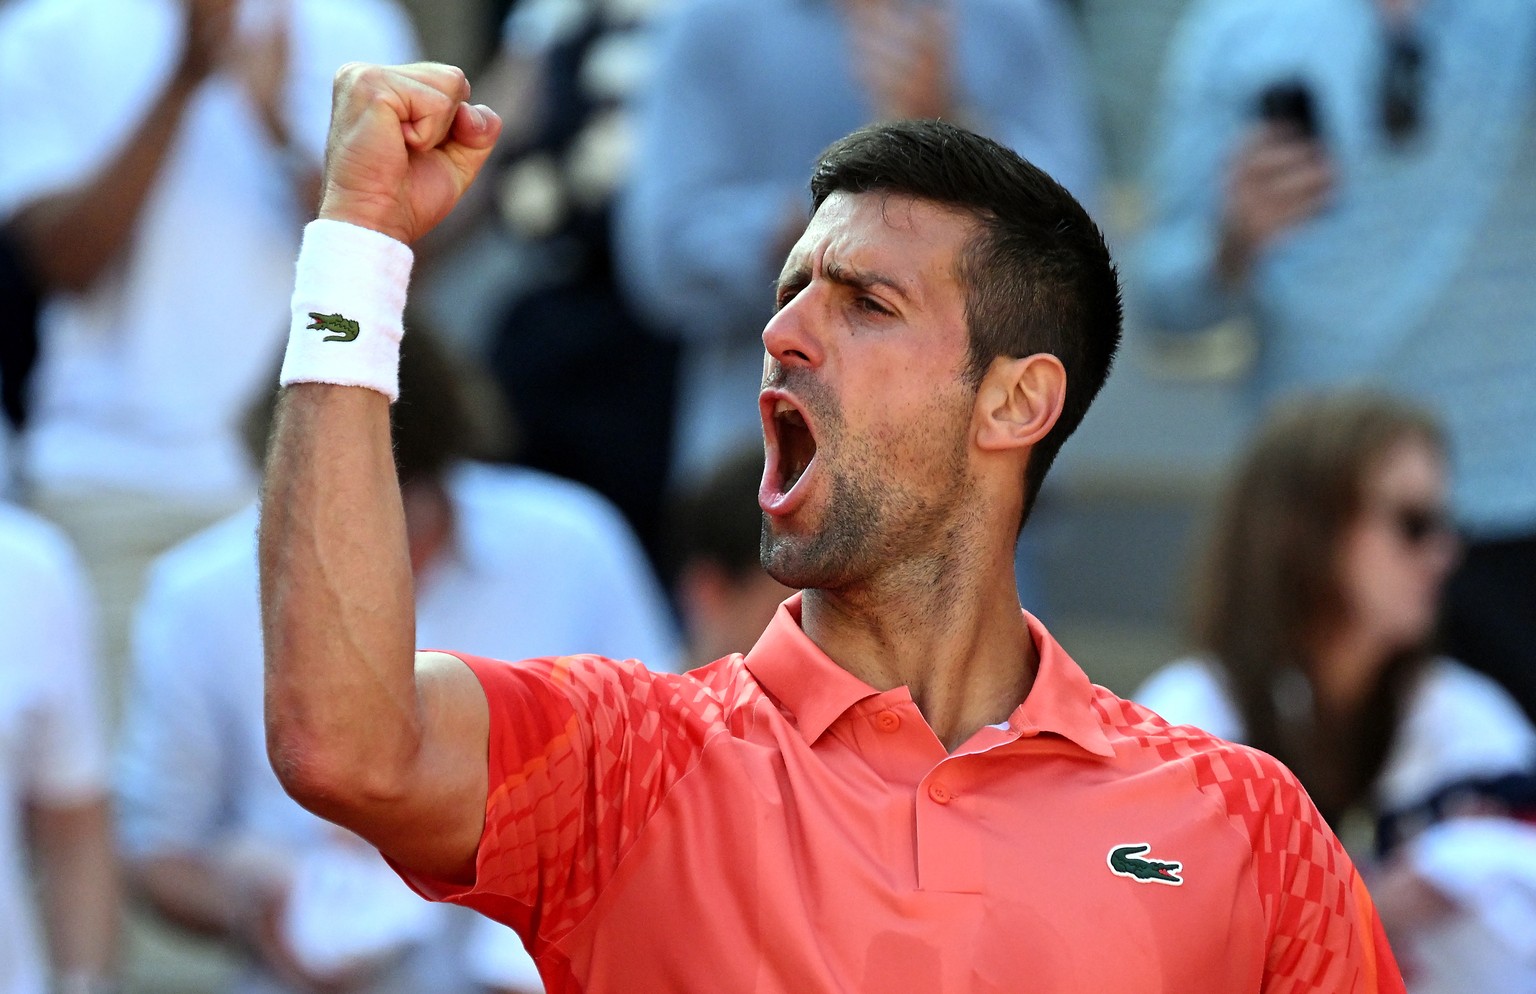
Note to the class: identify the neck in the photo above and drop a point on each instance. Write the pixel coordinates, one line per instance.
(1346, 670)
(953, 636)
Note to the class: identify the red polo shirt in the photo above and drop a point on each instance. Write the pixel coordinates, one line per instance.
(773, 824)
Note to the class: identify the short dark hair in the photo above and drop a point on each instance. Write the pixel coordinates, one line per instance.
(1037, 276)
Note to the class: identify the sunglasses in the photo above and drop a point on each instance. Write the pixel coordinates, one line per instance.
(1417, 526)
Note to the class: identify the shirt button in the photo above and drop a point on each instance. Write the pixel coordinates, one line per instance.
(887, 721)
(940, 793)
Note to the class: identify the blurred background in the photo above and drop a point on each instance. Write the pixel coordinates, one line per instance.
(1304, 197)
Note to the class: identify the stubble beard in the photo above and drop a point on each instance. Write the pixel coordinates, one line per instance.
(839, 551)
(873, 525)
(870, 519)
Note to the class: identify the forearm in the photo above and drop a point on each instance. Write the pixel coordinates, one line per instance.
(337, 605)
(72, 236)
(80, 890)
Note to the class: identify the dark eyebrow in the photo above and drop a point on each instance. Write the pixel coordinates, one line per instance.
(863, 279)
(796, 279)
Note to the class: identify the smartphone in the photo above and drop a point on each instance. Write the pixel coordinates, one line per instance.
(1291, 105)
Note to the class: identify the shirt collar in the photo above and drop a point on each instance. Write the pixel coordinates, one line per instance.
(817, 691)
(800, 676)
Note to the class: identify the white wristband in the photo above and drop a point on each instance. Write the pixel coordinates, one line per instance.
(348, 308)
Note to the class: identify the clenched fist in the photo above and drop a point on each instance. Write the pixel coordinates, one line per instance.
(405, 144)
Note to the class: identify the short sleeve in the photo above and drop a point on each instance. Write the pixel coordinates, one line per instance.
(1323, 932)
(583, 750)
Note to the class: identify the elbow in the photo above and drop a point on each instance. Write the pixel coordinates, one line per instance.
(325, 776)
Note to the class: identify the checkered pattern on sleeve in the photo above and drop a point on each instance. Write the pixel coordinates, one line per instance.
(583, 752)
(1323, 931)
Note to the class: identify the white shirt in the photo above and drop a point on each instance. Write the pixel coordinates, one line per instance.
(51, 739)
(143, 379)
(1458, 725)
(540, 566)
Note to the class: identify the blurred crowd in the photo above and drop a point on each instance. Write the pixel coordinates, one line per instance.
(577, 436)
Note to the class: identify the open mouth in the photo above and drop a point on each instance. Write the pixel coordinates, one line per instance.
(791, 450)
(797, 447)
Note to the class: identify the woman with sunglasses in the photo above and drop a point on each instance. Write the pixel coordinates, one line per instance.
(1314, 614)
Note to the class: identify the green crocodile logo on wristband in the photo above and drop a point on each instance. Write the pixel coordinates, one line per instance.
(341, 329)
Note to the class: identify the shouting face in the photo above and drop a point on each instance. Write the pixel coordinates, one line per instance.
(865, 403)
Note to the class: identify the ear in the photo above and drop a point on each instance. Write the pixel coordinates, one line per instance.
(1019, 401)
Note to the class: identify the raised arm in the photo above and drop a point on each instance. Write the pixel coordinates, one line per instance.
(359, 730)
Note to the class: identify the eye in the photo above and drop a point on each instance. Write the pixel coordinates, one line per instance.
(784, 294)
(871, 305)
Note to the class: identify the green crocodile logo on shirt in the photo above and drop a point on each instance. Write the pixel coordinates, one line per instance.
(341, 329)
(1124, 861)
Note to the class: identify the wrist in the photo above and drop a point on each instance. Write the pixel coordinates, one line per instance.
(360, 211)
(348, 308)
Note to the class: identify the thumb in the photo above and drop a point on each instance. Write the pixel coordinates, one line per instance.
(470, 140)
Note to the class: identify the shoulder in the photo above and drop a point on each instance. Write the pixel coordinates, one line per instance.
(714, 698)
(1244, 781)
(1192, 691)
(1459, 724)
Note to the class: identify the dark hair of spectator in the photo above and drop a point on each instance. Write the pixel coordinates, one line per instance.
(1268, 592)
(718, 521)
(1037, 275)
(445, 413)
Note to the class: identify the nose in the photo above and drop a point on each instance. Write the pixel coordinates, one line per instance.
(793, 336)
